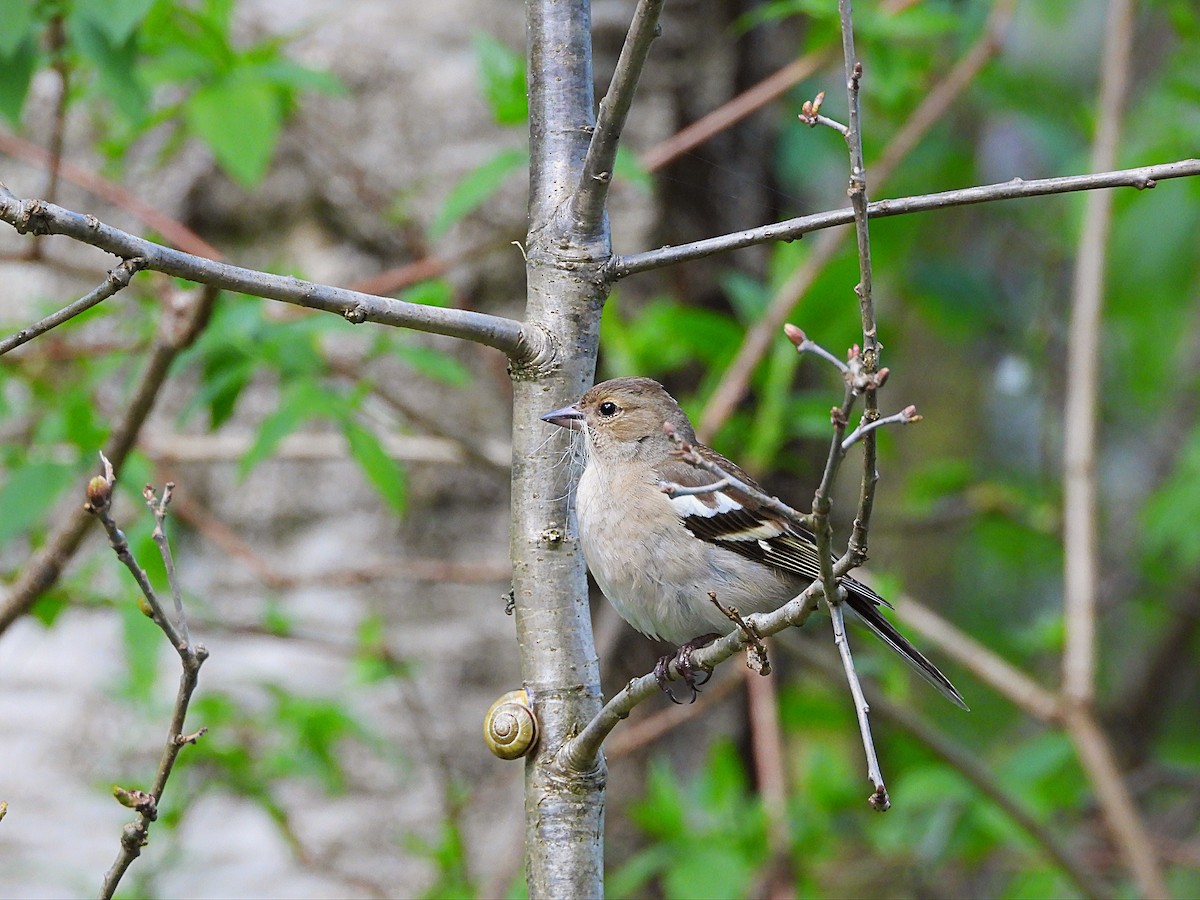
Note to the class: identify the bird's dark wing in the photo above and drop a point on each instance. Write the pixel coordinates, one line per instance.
(731, 519)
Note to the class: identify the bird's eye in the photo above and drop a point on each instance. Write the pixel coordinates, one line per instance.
(608, 409)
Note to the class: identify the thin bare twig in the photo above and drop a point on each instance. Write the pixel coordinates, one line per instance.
(810, 115)
(757, 659)
(1141, 178)
(732, 386)
(191, 656)
(159, 536)
(976, 772)
(879, 798)
(177, 329)
(499, 332)
(864, 367)
(661, 722)
(906, 416)
(588, 202)
(579, 753)
(804, 345)
(117, 279)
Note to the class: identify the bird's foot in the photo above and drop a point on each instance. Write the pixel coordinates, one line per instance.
(683, 664)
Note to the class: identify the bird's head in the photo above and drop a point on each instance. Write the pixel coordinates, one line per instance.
(624, 417)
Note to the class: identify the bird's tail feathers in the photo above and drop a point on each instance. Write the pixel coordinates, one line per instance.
(864, 603)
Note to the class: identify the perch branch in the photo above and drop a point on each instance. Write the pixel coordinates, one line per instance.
(579, 753)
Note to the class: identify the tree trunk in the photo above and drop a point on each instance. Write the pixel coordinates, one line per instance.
(564, 816)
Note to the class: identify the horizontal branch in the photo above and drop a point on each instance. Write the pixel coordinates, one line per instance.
(1140, 178)
(507, 335)
(579, 753)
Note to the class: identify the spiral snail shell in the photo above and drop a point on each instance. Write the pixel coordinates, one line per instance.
(510, 729)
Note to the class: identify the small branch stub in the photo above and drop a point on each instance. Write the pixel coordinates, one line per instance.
(756, 652)
(510, 728)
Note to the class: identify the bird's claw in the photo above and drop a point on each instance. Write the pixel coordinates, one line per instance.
(683, 665)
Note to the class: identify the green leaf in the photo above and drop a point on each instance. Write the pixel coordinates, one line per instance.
(628, 168)
(300, 401)
(436, 364)
(381, 470)
(48, 607)
(16, 72)
(224, 375)
(436, 292)
(285, 73)
(502, 77)
(116, 65)
(476, 187)
(20, 26)
(239, 119)
(29, 494)
(115, 18)
(276, 619)
(143, 640)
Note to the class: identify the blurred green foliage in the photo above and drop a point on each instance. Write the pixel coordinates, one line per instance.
(175, 71)
(972, 305)
(146, 64)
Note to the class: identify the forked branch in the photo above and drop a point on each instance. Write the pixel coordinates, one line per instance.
(591, 196)
(191, 657)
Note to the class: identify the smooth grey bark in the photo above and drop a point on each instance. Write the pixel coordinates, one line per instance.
(564, 814)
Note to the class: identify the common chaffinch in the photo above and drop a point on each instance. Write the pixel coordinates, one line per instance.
(657, 557)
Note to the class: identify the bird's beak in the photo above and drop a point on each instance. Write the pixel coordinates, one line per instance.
(567, 417)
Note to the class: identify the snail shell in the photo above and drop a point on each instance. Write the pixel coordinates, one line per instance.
(510, 729)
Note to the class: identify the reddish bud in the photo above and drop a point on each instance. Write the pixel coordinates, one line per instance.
(99, 492)
(794, 334)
